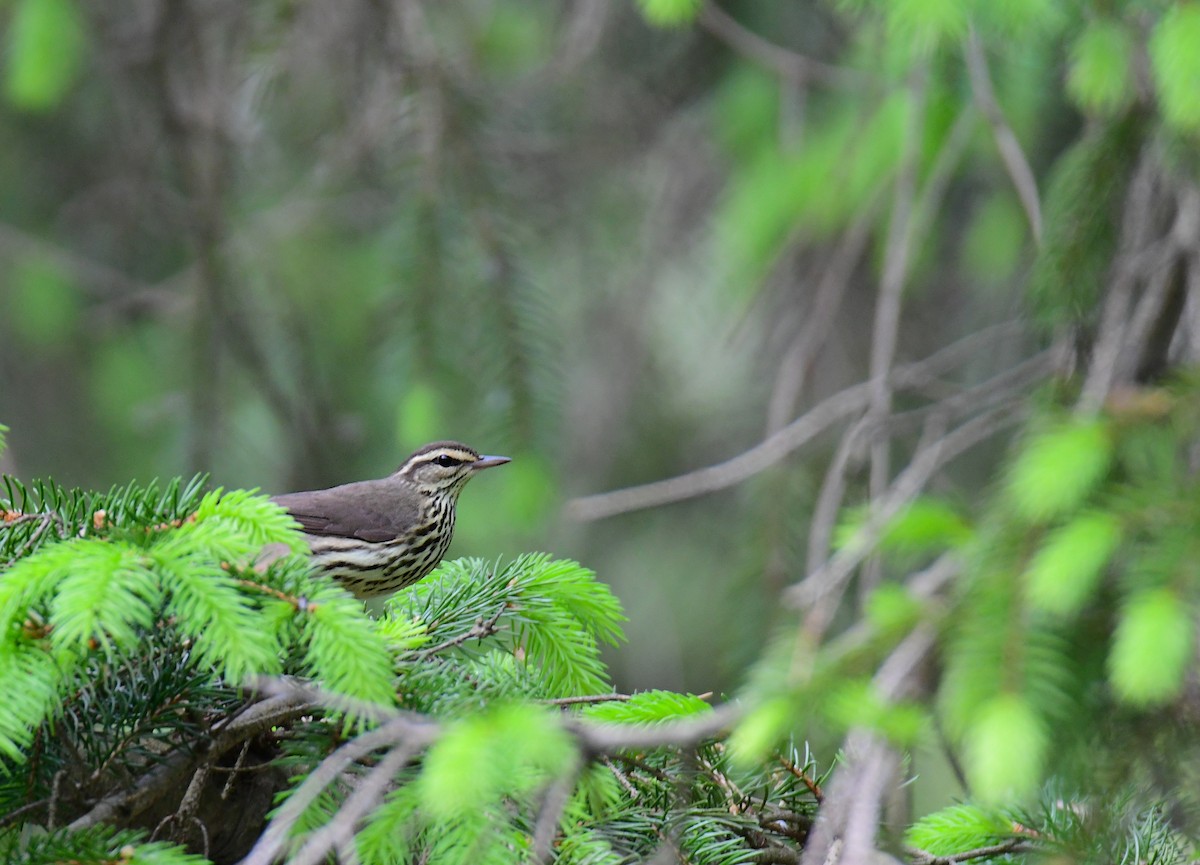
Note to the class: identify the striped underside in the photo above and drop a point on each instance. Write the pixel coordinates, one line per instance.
(369, 569)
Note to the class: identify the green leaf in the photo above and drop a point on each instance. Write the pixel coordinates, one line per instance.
(45, 47)
(761, 730)
(1057, 469)
(1175, 63)
(957, 829)
(746, 116)
(1100, 77)
(209, 607)
(997, 237)
(1005, 749)
(1083, 208)
(926, 524)
(108, 594)
(24, 708)
(648, 707)
(857, 703)
(1065, 571)
(252, 517)
(418, 418)
(43, 303)
(1152, 648)
(347, 653)
(927, 24)
(669, 13)
(508, 750)
(892, 609)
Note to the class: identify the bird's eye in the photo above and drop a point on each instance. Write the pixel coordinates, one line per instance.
(447, 461)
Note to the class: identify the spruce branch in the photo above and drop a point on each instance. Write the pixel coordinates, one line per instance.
(821, 417)
(226, 735)
(1012, 845)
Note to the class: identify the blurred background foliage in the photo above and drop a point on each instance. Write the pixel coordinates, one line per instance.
(286, 243)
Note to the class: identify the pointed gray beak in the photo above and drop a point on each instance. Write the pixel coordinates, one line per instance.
(488, 462)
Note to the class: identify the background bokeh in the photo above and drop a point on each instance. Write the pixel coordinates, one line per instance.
(286, 243)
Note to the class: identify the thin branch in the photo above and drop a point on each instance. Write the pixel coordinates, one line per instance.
(558, 794)
(831, 495)
(170, 773)
(481, 629)
(1011, 153)
(584, 699)
(405, 730)
(789, 65)
(825, 414)
(808, 782)
(993, 391)
(898, 251)
(1136, 225)
(1012, 845)
(796, 365)
(340, 830)
(821, 589)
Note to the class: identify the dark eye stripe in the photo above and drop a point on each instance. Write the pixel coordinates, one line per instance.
(447, 461)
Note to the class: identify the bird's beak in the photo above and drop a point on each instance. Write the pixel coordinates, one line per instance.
(488, 462)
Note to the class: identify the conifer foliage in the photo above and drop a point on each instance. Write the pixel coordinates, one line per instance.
(164, 698)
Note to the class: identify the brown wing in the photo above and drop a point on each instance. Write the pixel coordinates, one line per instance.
(374, 511)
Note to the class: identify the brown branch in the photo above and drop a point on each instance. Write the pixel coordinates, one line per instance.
(821, 589)
(825, 414)
(584, 699)
(1136, 227)
(796, 365)
(340, 830)
(1012, 845)
(808, 782)
(789, 65)
(481, 629)
(558, 794)
(1011, 153)
(407, 731)
(169, 773)
(405, 734)
(44, 521)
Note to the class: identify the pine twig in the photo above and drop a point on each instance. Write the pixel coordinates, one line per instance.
(808, 782)
(1012, 845)
(774, 448)
(481, 629)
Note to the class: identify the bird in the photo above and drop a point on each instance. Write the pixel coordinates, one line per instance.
(376, 537)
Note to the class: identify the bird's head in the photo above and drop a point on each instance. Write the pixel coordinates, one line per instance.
(442, 468)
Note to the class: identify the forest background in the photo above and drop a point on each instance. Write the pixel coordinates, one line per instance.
(799, 262)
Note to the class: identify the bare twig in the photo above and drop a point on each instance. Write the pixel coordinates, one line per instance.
(821, 589)
(898, 250)
(808, 782)
(168, 774)
(797, 362)
(558, 794)
(789, 65)
(624, 781)
(822, 416)
(44, 521)
(481, 629)
(994, 391)
(1012, 845)
(404, 730)
(1011, 154)
(829, 499)
(585, 699)
(338, 831)
(1137, 224)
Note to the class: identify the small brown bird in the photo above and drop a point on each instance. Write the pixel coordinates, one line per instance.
(377, 537)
